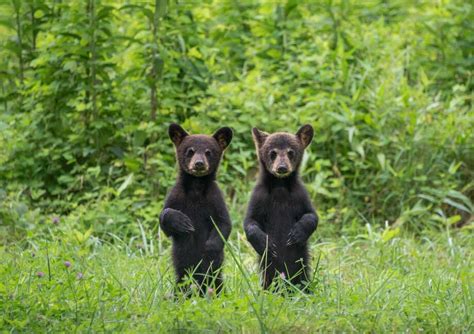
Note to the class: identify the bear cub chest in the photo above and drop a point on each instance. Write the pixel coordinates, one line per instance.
(282, 210)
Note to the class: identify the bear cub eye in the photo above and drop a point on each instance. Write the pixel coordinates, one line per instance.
(273, 155)
(208, 153)
(291, 154)
(190, 152)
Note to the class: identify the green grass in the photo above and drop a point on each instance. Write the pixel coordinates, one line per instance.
(362, 283)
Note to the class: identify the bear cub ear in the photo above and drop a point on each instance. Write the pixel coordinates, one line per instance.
(176, 133)
(259, 137)
(305, 134)
(223, 136)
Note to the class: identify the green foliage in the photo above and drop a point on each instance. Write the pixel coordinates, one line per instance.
(89, 88)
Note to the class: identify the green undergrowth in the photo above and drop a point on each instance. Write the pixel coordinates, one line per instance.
(370, 282)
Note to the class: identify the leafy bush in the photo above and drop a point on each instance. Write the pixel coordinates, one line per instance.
(88, 89)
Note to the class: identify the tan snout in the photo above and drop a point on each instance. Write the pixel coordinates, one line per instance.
(199, 165)
(282, 167)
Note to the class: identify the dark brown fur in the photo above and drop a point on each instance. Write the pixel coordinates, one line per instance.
(193, 204)
(280, 217)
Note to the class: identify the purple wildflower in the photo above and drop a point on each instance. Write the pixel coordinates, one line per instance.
(55, 220)
(282, 275)
(67, 264)
(79, 276)
(40, 274)
(210, 292)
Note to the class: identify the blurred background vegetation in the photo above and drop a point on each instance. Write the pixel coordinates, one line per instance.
(88, 88)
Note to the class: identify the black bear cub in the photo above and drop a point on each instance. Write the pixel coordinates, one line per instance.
(195, 205)
(280, 217)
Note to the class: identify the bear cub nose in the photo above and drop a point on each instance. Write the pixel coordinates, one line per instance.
(282, 169)
(199, 164)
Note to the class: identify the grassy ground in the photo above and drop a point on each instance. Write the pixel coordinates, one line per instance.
(364, 283)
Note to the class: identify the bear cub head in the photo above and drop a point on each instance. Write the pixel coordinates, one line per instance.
(280, 153)
(199, 155)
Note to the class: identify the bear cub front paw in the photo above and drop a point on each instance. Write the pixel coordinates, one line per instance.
(296, 236)
(177, 221)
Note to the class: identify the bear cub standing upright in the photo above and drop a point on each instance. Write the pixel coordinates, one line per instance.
(194, 205)
(280, 217)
